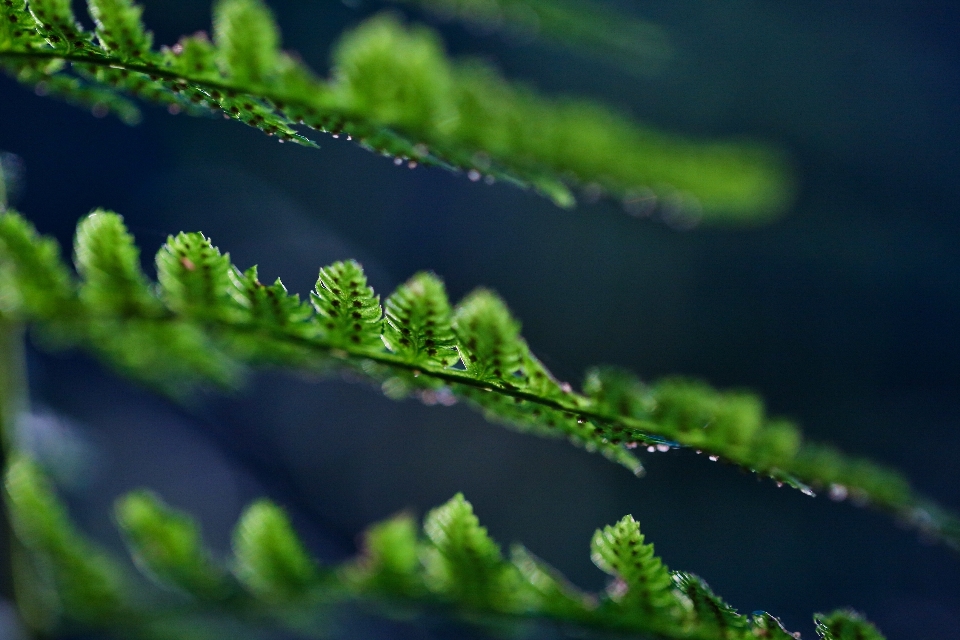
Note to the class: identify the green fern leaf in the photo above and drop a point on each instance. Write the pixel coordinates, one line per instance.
(194, 56)
(194, 277)
(270, 559)
(267, 305)
(554, 594)
(489, 338)
(463, 564)
(644, 587)
(88, 585)
(390, 564)
(418, 322)
(167, 545)
(17, 25)
(394, 76)
(769, 627)
(57, 24)
(846, 625)
(119, 28)
(34, 281)
(247, 40)
(618, 392)
(710, 615)
(109, 263)
(350, 313)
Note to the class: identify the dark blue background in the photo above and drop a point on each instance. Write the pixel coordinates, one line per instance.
(843, 314)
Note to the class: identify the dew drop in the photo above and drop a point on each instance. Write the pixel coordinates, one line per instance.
(651, 449)
(714, 458)
(663, 448)
(398, 161)
(473, 175)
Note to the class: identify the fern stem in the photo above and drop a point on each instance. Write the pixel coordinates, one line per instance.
(117, 63)
(13, 402)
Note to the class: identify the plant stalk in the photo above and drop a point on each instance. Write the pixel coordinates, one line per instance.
(13, 403)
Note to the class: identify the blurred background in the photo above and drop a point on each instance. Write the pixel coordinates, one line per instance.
(843, 314)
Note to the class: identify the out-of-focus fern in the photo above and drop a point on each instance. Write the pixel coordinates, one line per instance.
(206, 321)
(453, 565)
(638, 47)
(395, 91)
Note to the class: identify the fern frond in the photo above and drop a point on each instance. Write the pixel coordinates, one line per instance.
(554, 595)
(463, 564)
(349, 310)
(270, 560)
(395, 91)
(390, 563)
(450, 565)
(638, 47)
(194, 277)
(119, 28)
(266, 305)
(167, 546)
(709, 615)
(210, 320)
(643, 586)
(418, 322)
(489, 338)
(845, 625)
(85, 581)
(33, 278)
(109, 263)
(247, 40)
(57, 24)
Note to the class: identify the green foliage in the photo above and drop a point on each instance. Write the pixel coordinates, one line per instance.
(34, 281)
(194, 277)
(349, 311)
(638, 47)
(270, 560)
(390, 564)
(644, 587)
(119, 28)
(166, 545)
(489, 338)
(109, 263)
(453, 564)
(268, 306)
(846, 625)
(73, 575)
(209, 320)
(395, 91)
(247, 40)
(56, 23)
(708, 613)
(463, 564)
(418, 322)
